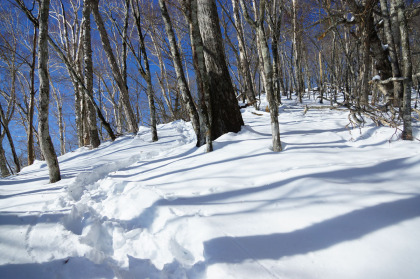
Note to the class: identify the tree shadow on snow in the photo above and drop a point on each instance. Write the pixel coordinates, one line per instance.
(73, 267)
(347, 227)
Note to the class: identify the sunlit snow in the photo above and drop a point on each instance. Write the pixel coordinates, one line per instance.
(337, 202)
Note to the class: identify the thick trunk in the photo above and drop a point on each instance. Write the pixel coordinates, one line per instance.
(125, 98)
(191, 13)
(182, 82)
(225, 112)
(44, 91)
(87, 53)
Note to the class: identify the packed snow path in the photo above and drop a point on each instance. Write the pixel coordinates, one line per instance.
(336, 203)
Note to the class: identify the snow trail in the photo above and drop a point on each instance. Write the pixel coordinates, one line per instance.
(333, 199)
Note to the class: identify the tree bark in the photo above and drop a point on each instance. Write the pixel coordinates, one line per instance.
(145, 72)
(243, 57)
(44, 92)
(297, 53)
(3, 165)
(191, 13)
(88, 77)
(182, 82)
(398, 89)
(407, 133)
(30, 141)
(225, 112)
(258, 25)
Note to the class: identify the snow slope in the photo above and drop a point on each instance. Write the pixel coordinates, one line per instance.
(336, 203)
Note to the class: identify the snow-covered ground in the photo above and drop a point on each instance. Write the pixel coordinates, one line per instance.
(336, 203)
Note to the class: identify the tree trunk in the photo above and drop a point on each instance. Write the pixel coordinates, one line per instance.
(44, 92)
(60, 120)
(258, 25)
(30, 142)
(225, 112)
(191, 13)
(243, 57)
(145, 72)
(88, 76)
(182, 82)
(131, 119)
(3, 165)
(70, 68)
(398, 89)
(297, 53)
(5, 122)
(407, 133)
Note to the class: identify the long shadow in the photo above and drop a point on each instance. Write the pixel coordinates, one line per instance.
(30, 192)
(370, 174)
(366, 175)
(209, 164)
(176, 158)
(323, 235)
(15, 219)
(73, 267)
(6, 181)
(314, 131)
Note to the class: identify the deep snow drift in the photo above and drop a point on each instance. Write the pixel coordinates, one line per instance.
(336, 203)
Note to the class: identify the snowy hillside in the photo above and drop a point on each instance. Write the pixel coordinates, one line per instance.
(336, 203)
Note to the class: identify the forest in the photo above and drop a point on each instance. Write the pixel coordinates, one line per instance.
(79, 73)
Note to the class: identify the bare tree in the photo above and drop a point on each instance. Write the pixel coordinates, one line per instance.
(87, 51)
(44, 92)
(407, 133)
(144, 71)
(258, 25)
(182, 81)
(129, 114)
(225, 112)
(191, 13)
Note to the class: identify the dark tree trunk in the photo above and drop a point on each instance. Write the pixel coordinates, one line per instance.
(30, 143)
(3, 165)
(226, 115)
(87, 52)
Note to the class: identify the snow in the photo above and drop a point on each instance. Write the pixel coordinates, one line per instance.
(335, 203)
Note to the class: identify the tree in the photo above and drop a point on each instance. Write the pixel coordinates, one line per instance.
(144, 71)
(47, 146)
(258, 25)
(182, 81)
(191, 13)
(407, 133)
(87, 52)
(129, 114)
(225, 113)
